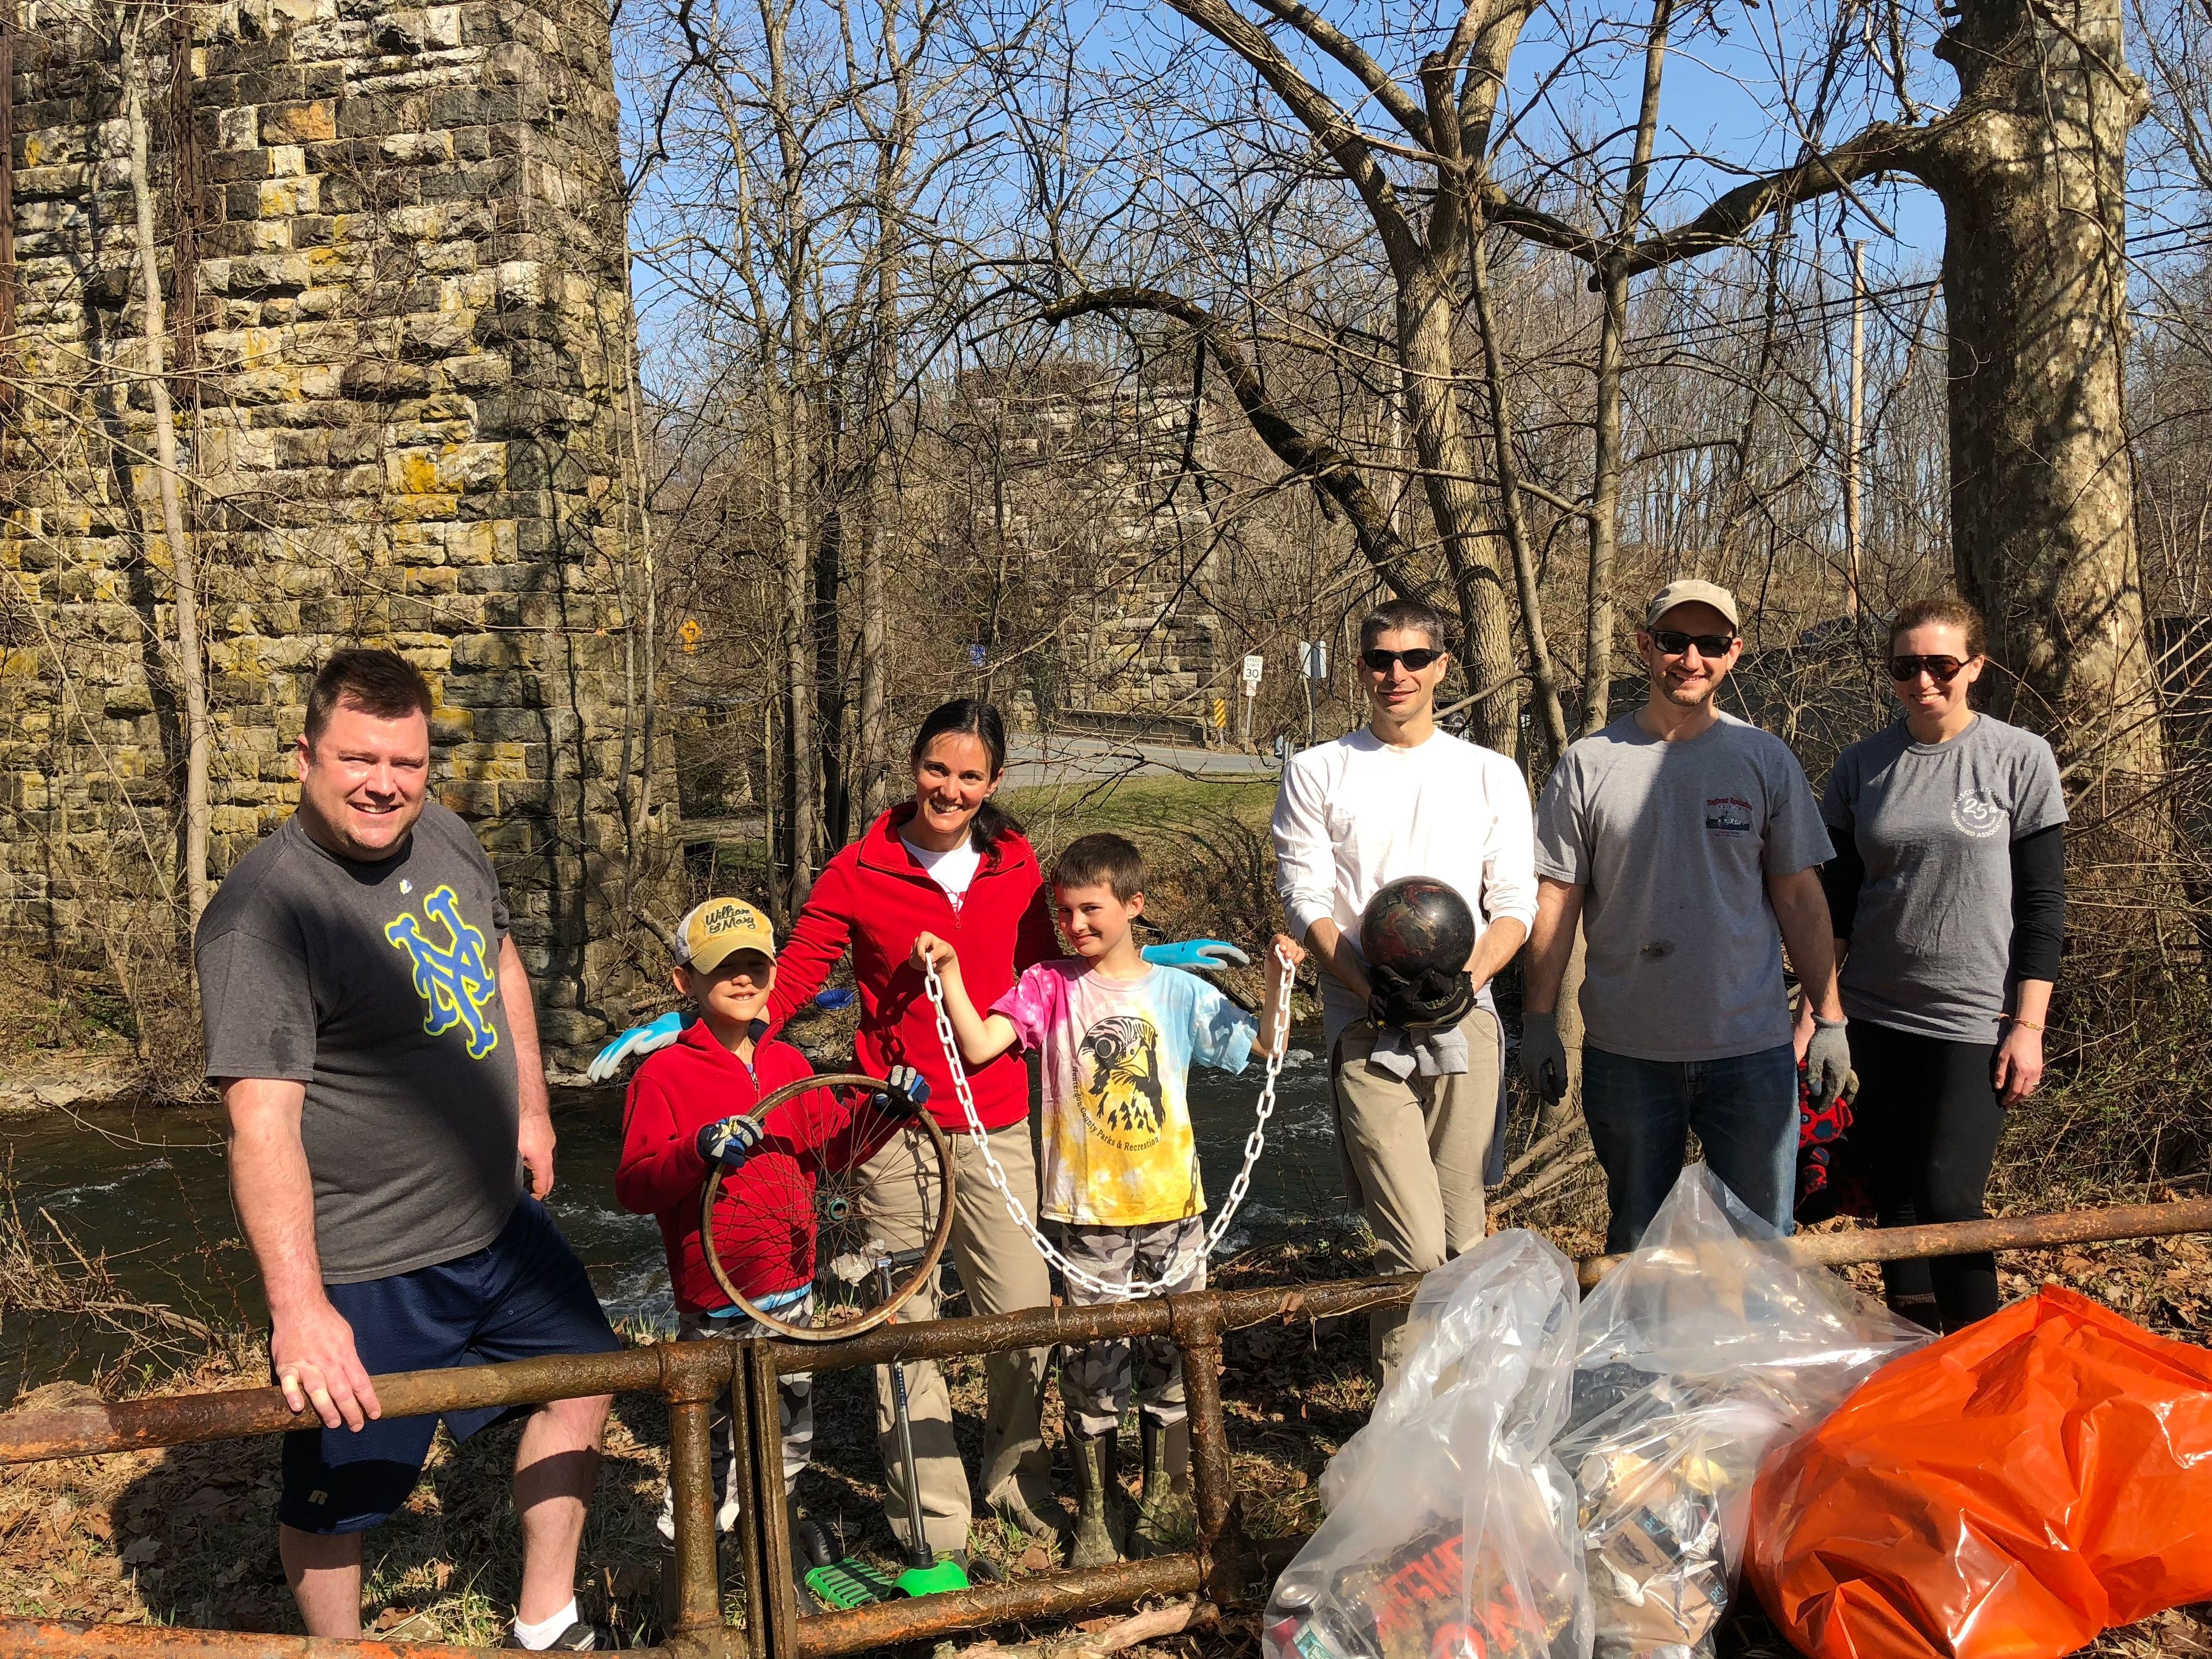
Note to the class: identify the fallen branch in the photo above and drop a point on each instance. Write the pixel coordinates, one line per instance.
(1133, 1631)
(1550, 1176)
(1542, 1150)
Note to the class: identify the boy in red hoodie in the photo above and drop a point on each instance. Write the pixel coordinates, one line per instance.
(686, 1114)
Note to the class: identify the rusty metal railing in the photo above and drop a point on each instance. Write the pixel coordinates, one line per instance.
(690, 1375)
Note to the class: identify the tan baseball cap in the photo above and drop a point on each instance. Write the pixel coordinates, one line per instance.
(716, 931)
(1690, 592)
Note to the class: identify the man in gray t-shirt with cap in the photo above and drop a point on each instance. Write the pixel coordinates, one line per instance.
(1688, 844)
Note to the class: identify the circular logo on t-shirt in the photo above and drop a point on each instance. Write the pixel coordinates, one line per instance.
(1976, 815)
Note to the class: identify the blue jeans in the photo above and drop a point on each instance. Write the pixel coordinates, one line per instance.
(1640, 1112)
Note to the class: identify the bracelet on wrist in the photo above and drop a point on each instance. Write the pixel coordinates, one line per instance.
(2025, 1025)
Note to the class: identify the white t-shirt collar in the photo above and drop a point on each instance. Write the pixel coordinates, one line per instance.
(954, 871)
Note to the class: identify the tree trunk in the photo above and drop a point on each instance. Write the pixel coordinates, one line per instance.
(828, 634)
(192, 676)
(1425, 352)
(1554, 722)
(875, 740)
(2035, 278)
(787, 419)
(1606, 461)
(875, 737)
(641, 620)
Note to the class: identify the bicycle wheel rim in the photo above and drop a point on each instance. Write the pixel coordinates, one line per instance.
(846, 1295)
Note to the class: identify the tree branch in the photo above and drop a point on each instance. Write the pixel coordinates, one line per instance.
(1533, 224)
(1354, 57)
(1321, 464)
(1332, 128)
(1884, 147)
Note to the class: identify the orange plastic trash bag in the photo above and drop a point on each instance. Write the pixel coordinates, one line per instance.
(2006, 1493)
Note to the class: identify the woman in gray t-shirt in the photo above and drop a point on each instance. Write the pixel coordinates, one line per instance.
(1947, 892)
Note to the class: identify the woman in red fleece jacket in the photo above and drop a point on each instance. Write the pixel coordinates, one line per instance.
(946, 862)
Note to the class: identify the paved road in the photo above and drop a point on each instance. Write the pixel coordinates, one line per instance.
(1068, 759)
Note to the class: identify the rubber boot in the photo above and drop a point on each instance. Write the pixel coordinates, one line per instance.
(1166, 1521)
(1097, 1464)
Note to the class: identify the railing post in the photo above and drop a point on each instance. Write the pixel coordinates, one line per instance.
(755, 1642)
(691, 1475)
(778, 1589)
(1225, 1554)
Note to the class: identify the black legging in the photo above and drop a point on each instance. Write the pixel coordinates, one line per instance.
(1925, 1128)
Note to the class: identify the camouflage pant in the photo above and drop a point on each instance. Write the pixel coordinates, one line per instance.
(1097, 1378)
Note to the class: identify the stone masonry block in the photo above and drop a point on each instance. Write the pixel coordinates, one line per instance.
(298, 123)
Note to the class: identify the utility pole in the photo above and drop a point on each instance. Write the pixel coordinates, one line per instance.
(1854, 430)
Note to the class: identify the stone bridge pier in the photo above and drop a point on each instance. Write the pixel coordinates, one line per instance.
(392, 249)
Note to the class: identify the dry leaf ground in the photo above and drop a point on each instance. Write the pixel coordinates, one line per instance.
(185, 1536)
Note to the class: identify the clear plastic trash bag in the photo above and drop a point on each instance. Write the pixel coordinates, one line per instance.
(1451, 1529)
(1703, 1349)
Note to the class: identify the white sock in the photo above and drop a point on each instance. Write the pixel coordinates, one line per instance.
(542, 1634)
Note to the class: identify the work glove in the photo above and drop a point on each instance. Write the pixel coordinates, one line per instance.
(1827, 1059)
(1419, 1001)
(730, 1142)
(1198, 956)
(1543, 1056)
(904, 1093)
(639, 1040)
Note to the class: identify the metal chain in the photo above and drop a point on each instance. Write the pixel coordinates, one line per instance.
(1178, 1270)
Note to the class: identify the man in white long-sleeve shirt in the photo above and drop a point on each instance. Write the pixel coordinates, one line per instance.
(1399, 797)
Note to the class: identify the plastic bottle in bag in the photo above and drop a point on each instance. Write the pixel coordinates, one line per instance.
(1704, 1348)
(1452, 1529)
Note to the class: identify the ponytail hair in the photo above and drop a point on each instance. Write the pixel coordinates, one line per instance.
(971, 717)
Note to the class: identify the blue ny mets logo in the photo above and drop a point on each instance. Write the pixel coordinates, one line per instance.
(452, 978)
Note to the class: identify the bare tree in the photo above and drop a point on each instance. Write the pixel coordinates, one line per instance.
(134, 25)
(2030, 167)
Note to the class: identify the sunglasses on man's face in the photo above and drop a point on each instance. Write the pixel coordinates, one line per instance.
(1380, 660)
(1675, 643)
(1941, 669)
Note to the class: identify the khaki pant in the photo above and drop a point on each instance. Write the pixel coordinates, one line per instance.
(1001, 1271)
(1413, 1149)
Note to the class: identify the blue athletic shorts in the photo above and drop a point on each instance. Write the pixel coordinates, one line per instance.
(523, 1295)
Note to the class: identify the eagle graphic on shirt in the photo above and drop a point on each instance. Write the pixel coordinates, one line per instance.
(1118, 1082)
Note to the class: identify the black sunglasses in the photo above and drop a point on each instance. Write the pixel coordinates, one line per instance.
(1675, 643)
(1941, 669)
(1379, 660)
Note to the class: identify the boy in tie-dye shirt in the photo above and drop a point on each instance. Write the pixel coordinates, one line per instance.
(1117, 1037)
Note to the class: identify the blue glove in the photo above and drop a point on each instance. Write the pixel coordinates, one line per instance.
(607, 1064)
(730, 1142)
(905, 1093)
(1198, 955)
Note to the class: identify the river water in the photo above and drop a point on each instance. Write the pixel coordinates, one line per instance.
(146, 1189)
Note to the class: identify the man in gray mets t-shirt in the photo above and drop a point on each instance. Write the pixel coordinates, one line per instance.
(1688, 845)
(369, 1024)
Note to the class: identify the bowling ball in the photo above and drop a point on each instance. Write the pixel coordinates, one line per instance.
(1415, 926)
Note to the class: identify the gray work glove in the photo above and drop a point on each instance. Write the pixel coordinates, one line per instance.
(1543, 1056)
(1827, 1059)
